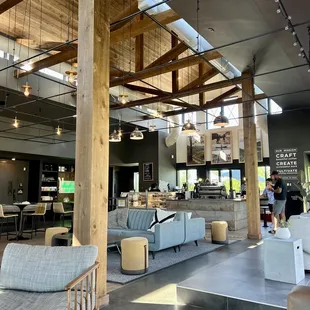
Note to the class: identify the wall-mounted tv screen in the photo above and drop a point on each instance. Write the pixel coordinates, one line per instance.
(66, 187)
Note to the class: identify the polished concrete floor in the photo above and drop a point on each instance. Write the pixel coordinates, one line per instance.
(158, 290)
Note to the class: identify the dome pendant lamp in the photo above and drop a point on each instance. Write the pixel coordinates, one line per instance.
(136, 135)
(188, 128)
(221, 121)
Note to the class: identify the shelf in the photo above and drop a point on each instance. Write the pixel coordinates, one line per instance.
(48, 171)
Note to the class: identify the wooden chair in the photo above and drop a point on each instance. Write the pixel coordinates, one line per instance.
(58, 208)
(6, 217)
(40, 210)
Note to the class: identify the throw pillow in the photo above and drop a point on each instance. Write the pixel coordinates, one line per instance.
(161, 216)
(118, 218)
(189, 214)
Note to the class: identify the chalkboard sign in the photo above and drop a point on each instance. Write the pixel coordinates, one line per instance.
(148, 172)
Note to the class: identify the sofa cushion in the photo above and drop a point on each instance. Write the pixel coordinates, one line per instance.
(115, 231)
(19, 300)
(139, 233)
(118, 218)
(43, 268)
(140, 219)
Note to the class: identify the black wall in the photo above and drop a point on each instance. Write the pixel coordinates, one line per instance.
(289, 130)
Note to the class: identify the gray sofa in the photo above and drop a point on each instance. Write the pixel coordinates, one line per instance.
(166, 235)
(40, 277)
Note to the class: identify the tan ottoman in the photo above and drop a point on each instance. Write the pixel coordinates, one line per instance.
(135, 255)
(299, 298)
(219, 232)
(51, 232)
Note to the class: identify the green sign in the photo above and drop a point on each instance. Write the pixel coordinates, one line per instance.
(66, 187)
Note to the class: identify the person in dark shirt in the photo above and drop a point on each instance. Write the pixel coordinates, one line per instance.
(279, 190)
(154, 188)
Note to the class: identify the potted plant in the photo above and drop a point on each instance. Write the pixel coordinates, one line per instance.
(283, 232)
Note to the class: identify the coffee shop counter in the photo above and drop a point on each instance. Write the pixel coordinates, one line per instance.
(233, 211)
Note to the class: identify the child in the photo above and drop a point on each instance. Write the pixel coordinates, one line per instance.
(268, 193)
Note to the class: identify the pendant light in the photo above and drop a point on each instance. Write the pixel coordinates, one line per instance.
(115, 137)
(71, 76)
(16, 122)
(221, 121)
(123, 98)
(152, 128)
(189, 128)
(58, 131)
(136, 135)
(27, 89)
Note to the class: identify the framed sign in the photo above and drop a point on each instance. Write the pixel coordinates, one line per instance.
(148, 172)
(221, 147)
(195, 150)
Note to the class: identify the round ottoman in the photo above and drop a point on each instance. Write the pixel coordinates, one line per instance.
(219, 232)
(51, 232)
(135, 255)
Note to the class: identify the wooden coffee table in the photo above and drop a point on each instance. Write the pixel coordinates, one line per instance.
(114, 241)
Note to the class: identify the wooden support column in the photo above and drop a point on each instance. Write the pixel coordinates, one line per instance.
(92, 133)
(250, 154)
(175, 74)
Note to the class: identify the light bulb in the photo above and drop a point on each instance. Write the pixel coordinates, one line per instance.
(123, 101)
(71, 78)
(293, 33)
(289, 17)
(295, 43)
(299, 54)
(58, 131)
(278, 11)
(287, 28)
(26, 92)
(309, 70)
(16, 123)
(301, 49)
(276, 1)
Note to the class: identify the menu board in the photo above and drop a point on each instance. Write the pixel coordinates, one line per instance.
(286, 163)
(148, 172)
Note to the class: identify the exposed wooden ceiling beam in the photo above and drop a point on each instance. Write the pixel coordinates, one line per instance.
(170, 55)
(130, 9)
(224, 95)
(8, 4)
(146, 90)
(47, 62)
(169, 67)
(210, 105)
(202, 69)
(147, 24)
(201, 79)
(180, 94)
(174, 74)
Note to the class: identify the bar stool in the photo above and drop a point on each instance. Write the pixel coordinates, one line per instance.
(51, 232)
(40, 210)
(7, 217)
(58, 208)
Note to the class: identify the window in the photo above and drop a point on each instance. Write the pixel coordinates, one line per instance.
(190, 116)
(214, 176)
(225, 179)
(263, 174)
(189, 177)
(182, 177)
(231, 111)
(236, 180)
(274, 108)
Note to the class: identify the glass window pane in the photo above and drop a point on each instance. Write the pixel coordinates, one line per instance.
(214, 177)
(225, 180)
(181, 178)
(190, 116)
(212, 114)
(261, 178)
(236, 180)
(191, 178)
(232, 112)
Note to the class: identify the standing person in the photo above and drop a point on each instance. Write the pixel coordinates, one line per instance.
(268, 193)
(279, 190)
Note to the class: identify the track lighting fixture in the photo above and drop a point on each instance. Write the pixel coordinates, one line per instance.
(71, 75)
(123, 98)
(115, 137)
